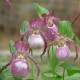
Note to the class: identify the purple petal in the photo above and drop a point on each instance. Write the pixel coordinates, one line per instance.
(75, 18)
(35, 62)
(21, 47)
(45, 44)
(10, 61)
(36, 23)
(56, 19)
(47, 16)
(28, 31)
(76, 48)
(50, 16)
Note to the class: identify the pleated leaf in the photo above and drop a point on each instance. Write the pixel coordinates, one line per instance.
(40, 10)
(66, 29)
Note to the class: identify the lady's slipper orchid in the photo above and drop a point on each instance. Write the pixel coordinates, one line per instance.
(51, 28)
(18, 58)
(62, 43)
(36, 34)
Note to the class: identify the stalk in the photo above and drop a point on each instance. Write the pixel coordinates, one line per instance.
(75, 18)
(63, 73)
(32, 65)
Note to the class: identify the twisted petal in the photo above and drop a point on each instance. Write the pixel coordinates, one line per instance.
(36, 23)
(50, 15)
(20, 46)
(75, 46)
(45, 44)
(26, 54)
(28, 31)
(76, 17)
(47, 16)
(10, 61)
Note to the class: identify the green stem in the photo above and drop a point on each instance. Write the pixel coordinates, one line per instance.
(52, 49)
(63, 73)
(32, 65)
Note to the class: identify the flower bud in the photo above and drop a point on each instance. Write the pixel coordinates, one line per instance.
(19, 68)
(35, 41)
(62, 52)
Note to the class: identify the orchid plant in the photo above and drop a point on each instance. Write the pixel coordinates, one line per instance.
(51, 34)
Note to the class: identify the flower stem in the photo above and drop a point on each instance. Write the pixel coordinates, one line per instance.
(32, 65)
(63, 73)
(52, 49)
(76, 17)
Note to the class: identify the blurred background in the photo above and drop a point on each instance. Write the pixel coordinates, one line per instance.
(10, 22)
(25, 10)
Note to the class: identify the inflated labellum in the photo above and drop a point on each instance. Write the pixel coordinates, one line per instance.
(51, 32)
(19, 68)
(62, 52)
(35, 41)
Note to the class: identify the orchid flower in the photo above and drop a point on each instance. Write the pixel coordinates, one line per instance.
(51, 28)
(18, 64)
(36, 37)
(62, 51)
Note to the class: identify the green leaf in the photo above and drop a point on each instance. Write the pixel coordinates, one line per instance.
(24, 25)
(11, 46)
(52, 72)
(77, 40)
(73, 77)
(40, 10)
(70, 69)
(44, 77)
(66, 28)
(52, 61)
(5, 73)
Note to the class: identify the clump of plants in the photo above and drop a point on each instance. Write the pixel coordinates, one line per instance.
(51, 34)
